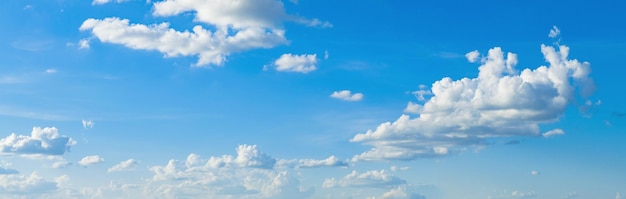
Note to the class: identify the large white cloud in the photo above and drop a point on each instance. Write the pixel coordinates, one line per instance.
(211, 47)
(465, 113)
(374, 178)
(239, 26)
(331, 161)
(42, 141)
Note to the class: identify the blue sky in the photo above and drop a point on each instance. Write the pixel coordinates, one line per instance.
(312, 99)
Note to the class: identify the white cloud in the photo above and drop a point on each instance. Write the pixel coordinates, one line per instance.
(413, 108)
(554, 32)
(331, 161)
(211, 47)
(241, 26)
(124, 166)
(374, 178)
(500, 102)
(400, 192)
(553, 132)
(395, 168)
(534, 172)
(42, 141)
(100, 2)
(518, 194)
(325, 54)
(247, 156)
(90, 160)
(84, 44)
(88, 124)
(251, 174)
(22, 184)
(617, 196)
(296, 63)
(51, 71)
(347, 95)
(473, 56)
(61, 164)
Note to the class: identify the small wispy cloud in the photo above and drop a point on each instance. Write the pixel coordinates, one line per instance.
(347, 95)
(90, 160)
(87, 124)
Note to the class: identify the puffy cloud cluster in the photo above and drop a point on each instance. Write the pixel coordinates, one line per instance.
(347, 95)
(296, 63)
(500, 102)
(42, 141)
(249, 174)
(372, 178)
(25, 184)
(239, 26)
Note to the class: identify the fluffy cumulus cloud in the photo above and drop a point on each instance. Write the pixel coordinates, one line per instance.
(25, 185)
(90, 160)
(296, 63)
(374, 178)
(401, 192)
(240, 26)
(500, 102)
(124, 166)
(251, 174)
(42, 141)
(347, 95)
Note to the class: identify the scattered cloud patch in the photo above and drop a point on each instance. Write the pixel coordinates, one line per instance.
(42, 141)
(101, 2)
(401, 192)
(25, 184)
(534, 172)
(473, 56)
(499, 102)
(124, 166)
(252, 174)
(347, 95)
(61, 164)
(296, 63)
(90, 160)
(87, 124)
(519, 194)
(553, 132)
(51, 71)
(331, 161)
(374, 178)
(395, 168)
(554, 32)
